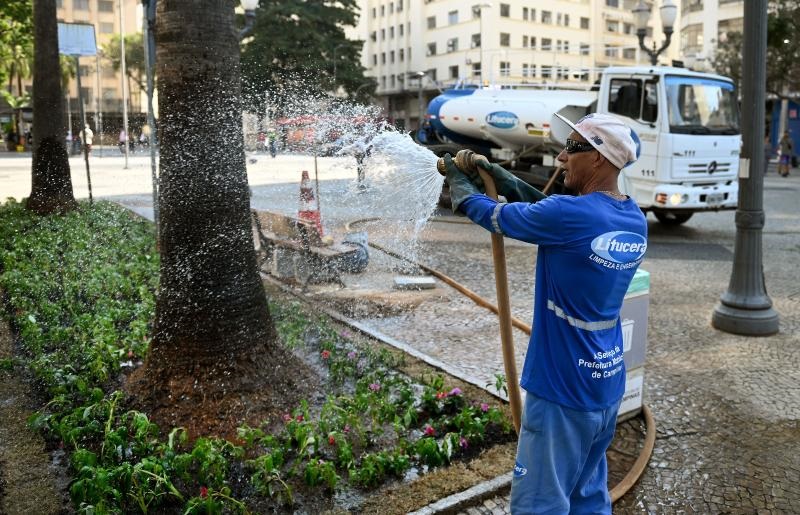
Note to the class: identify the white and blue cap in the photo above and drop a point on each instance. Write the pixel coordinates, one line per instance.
(610, 136)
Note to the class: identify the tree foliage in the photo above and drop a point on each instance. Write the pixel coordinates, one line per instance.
(293, 46)
(134, 56)
(783, 50)
(16, 39)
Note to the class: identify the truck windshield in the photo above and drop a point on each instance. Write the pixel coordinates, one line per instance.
(701, 106)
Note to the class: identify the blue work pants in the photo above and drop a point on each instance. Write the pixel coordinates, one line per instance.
(561, 459)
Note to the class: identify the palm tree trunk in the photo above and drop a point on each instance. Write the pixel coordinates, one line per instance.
(214, 337)
(51, 184)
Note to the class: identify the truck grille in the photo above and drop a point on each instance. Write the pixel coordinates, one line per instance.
(707, 167)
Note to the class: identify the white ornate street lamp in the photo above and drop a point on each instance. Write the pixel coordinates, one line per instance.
(641, 13)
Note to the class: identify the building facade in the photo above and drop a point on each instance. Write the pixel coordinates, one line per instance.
(703, 23)
(416, 48)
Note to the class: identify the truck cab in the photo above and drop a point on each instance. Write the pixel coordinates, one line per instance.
(688, 124)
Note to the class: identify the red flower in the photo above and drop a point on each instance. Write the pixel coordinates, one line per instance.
(299, 418)
(441, 395)
(326, 354)
(331, 440)
(203, 492)
(429, 431)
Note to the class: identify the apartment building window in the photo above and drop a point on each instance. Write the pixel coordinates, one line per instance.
(383, 10)
(558, 19)
(584, 49)
(612, 52)
(726, 26)
(533, 70)
(524, 41)
(525, 13)
(584, 23)
(454, 72)
(408, 28)
(505, 39)
(373, 36)
(391, 56)
(432, 74)
(85, 71)
(547, 44)
(476, 11)
(431, 49)
(383, 81)
(533, 42)
(612, 3)
(393, 81)
(383, 34)
(475, 41)
(374, 12)
(627, 28)
(80, 5)
(505, 10)
(408, 53)
(558, 45)
(400, 29)
(452, 17)
(452, 44)
(547, 71)
(87, 95)
(402, 55)
(629, 53)
(105, 6)
(505, 68)
(547, 17)
(612, 26)
(692, 38)
(374, 59)
(476, 69)
(391, 32)
(533, 14)
(400, 6)
(524, 69)
(566, 47)
(391, 11)
(431, 22)
(566, 20)
(106, 28)
(383, 57)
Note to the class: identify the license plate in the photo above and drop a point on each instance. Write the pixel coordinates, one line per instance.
(715, 198)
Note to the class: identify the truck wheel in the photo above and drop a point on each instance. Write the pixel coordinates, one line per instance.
(669, 218)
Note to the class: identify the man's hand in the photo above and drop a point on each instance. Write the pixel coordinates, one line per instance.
(509, 186)
(460, 185)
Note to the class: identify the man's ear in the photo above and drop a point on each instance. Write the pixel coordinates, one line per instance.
(599, 160)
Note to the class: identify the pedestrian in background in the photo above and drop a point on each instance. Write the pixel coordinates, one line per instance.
(787, 150)
(589, 247)
(87, 136)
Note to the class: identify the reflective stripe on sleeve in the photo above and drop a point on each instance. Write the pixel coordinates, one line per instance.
(495, 214)
(581, 324)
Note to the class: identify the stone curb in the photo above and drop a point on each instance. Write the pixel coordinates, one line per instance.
(387, 339)
(469, 497)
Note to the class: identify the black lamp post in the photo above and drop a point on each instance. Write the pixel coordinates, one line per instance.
(642, 15)
(746, 308)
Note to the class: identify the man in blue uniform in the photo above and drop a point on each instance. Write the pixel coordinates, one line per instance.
(589, 247)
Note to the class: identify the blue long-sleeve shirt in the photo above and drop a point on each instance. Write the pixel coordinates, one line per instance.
(589, 247)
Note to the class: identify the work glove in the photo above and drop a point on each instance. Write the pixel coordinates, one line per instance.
(460, 185)
(512, 188)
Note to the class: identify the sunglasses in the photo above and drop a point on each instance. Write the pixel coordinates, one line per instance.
(573, 147)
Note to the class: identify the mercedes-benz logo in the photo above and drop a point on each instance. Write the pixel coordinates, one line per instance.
(712, 167)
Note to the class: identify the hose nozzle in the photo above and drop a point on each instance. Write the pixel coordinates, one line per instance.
(465, 160)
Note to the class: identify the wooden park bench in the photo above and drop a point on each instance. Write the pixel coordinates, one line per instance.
(292, 248)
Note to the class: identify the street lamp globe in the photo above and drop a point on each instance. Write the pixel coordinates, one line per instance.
(669, 11)
(641, 14)
(249, 5)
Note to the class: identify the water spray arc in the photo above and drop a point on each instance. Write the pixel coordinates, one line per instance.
(467, 160)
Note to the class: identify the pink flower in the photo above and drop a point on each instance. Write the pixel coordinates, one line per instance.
(429, 431)
(484, 407)
(454, 392)
(347, 428)
(463, 442)
(130, 354)
(326, 354)
(375, 387)
(351, 355)
(441, 395)
(287, 417)
(203, 492)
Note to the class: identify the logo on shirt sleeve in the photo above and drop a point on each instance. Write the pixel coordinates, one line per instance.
(620, 246)
(519, 470)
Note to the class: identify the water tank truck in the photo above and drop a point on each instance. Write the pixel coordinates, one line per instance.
(688, 124)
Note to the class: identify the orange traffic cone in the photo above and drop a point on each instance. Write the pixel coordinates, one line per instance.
(309, 207)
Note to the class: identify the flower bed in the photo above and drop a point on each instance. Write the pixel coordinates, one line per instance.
(79, 289)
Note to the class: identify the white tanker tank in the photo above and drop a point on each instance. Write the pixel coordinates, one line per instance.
(511, 118)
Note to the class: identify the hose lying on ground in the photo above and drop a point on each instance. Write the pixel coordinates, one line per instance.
(636, 471)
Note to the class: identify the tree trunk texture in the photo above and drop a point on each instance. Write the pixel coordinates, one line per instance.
(51, 183)
(213, 355)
